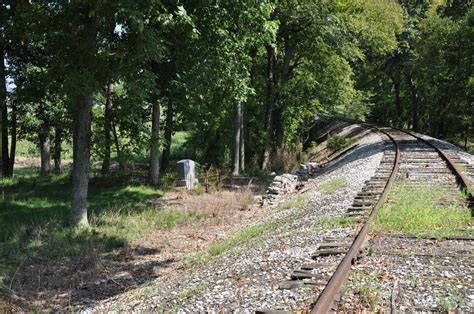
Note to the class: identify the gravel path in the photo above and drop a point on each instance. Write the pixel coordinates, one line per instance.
(247, 278)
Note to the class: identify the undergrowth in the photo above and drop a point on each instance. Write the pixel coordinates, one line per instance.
(34, 214)
(337, 142)
(424, 212)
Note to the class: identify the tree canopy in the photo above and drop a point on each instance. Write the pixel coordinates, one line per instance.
(244, 80)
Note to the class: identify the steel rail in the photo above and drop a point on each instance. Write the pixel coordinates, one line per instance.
(462, 180)
(330, 293)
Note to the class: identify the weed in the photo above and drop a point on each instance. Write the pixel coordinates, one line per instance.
(241, 237)
(453, 300)
(333, 185)
(194, 259)
(216, 249)
(199, 189)
(415, 281)
(187, 294)
(423, 212)
(293, 203)
(338, 222)
(369, 290)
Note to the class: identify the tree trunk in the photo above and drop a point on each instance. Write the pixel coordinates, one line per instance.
(14, 136)
(4, 114)
(117, 146)
(155, 145)
(236, 139)
(58, 136)
(414, 105)
(285, 77)
(82, 129)
(279, 130)
(107, 129)
(398, 103)
(81, 156)
(242, 139)
(269, 108)
(165, 158)
(45, 149)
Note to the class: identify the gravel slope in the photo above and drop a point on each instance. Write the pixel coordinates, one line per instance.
(247, 278)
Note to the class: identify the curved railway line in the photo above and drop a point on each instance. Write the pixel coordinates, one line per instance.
(407, 156)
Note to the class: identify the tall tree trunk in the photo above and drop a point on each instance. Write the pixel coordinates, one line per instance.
(4, 114)
(165, 158)
(81, 156)
(236, 139)
(285, 77)
(58, 137)
(414, 104)
(107, 129)
(279, 129)
(242, 139)
(117, 145)
(398, 103)
(82, 129)
(14, 138)
(268, 108)
(155, 144)
(45, 149)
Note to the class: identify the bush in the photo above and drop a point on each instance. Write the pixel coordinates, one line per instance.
(337, 142)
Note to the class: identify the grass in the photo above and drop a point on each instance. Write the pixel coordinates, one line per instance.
(34, 213)
(26, 148)
(333, 185)
(242, 237)
(338, 222)
(369, 290)
(186, 294)
(424, 212)
(452, 301)
(293, 203)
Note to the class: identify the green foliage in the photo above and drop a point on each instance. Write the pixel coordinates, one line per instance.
(336, 142)
(424, 212)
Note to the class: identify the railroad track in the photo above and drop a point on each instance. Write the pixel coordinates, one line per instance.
(408, 157)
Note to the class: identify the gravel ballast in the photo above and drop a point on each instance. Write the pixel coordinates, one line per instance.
(247, 277)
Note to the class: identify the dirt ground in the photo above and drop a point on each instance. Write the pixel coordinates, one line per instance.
(72, 282)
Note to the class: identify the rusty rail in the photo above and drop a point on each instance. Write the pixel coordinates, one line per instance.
(460, 177)
(330, 293)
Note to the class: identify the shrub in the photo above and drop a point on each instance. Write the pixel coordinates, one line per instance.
(337, 142)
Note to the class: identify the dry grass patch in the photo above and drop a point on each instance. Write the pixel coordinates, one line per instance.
(212, 204)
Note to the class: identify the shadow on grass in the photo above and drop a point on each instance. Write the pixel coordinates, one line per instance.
(35, 237)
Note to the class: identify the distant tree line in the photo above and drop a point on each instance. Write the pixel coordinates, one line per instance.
(245, 78)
